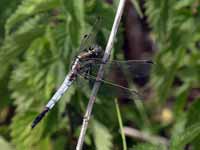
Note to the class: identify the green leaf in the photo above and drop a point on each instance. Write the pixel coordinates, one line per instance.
(184, 3)
(164, 88)
(120, 125)
(35, 74)
(137, 7)
(102, 137)
(193, 117)
(179, 126)
(182, 94)
(186, 137)
(183, 132)
(5, 145)
(75, 20)
(28, 8)
(148, 146)
(22, 135)
(15, 45)
(193, 113)
(59, 143)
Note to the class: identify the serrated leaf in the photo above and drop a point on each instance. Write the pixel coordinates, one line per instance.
(186, 137)
(28, 8)
(181, 99)
(137, 7)
(193, 117)
(75, 20)
(17, 43)
(5, 145)
(184, 3)
(193, 113)
(147, 146)
(102, 137)
(21, 133)
(179, 126)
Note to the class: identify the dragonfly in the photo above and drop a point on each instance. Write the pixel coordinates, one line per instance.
(85, 66)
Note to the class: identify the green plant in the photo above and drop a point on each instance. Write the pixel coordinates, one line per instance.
(41, 38)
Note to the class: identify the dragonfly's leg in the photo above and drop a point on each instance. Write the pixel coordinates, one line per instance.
(88, 72)
(84, 71)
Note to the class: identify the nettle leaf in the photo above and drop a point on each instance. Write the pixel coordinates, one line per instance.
(4, 91)
(193, 114)
(75, 20)
(5, 145)
(32, 84)
(174, 36)
(17, 43)
(179, 126)
(30, 75)
(71, 7)
(147, 146)
(137, 7)
(27, 9)
(102, 137)
(23, 136)
(59, 142)
(193, 117)
(181, 99)
(165, 87)
(184, 3)
(186, 137)
(183, 132)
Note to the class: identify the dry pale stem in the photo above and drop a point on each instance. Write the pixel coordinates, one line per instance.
(100, 74)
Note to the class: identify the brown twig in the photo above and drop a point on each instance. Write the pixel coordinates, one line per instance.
(134, 133)
(100, 74)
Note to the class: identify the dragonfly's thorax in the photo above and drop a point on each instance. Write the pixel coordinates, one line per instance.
(90, 53)
(78, 66)
(75, 68)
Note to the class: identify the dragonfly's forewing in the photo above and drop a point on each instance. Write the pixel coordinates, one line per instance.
(115, 80)
(135, 68)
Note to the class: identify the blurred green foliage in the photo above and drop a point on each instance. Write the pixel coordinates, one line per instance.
(39, 39)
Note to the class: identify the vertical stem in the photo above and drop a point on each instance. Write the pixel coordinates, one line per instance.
(120, 125)
(100, 75)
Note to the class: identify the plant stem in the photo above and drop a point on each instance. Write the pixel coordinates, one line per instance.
(136, 134)
(120, 125)
(100, 74)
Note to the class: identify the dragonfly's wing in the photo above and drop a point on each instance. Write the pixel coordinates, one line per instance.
(117, 75)
(88, 40)
(133, 68)
(110, 89)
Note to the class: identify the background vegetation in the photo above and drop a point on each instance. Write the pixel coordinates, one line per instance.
(38, 40)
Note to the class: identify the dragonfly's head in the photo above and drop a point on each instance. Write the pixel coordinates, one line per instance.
(98, 51)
